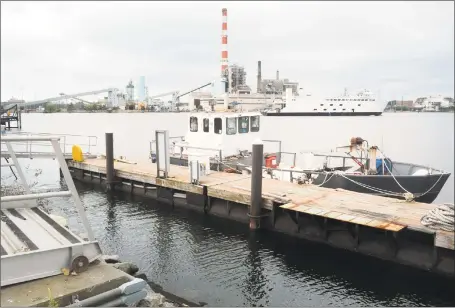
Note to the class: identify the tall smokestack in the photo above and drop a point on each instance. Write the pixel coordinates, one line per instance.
(277, 75)
(224, 50)
(259, 77)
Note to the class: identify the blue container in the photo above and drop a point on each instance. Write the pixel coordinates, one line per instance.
(387, 163)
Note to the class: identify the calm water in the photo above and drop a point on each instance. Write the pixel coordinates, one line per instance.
(220, 262)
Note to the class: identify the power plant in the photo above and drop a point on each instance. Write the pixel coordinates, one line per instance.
(229, 91)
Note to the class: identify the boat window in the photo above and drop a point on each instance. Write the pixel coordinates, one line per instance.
(255, 124)
(231, 126)
(344, 109)
(206, 125)
(334, 109)
(341, 104)
(244, 125)
(343, 99)
(315, 109)
(218, 126)
(358, 104)
(325, 109)
(331, 104)
(322, 104)
(193, 124)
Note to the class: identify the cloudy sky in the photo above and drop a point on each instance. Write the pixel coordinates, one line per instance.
(399, 49)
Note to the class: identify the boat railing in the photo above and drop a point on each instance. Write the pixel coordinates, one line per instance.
(31, 147)
(152, 144)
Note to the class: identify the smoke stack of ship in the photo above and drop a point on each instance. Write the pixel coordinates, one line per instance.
(224, 51)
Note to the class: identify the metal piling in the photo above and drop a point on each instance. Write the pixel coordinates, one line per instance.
(256, 185)
(110, 173)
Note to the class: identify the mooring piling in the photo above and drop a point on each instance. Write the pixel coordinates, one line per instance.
(256, 185)
(110, 161)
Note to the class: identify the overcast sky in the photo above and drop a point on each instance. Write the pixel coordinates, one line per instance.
(395, 48)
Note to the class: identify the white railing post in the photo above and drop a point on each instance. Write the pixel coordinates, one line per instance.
(18, 167)
(72, 188)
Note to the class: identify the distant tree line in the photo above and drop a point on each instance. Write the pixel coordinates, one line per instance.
(53, 108)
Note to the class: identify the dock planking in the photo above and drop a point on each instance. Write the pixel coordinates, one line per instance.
(338, 204)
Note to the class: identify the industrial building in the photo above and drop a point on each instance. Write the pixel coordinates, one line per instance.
(275, 86)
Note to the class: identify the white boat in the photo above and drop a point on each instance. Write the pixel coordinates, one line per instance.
(222, 141)
(361, 103)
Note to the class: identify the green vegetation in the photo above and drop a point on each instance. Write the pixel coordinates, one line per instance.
(52, 302)
(401, 108)
(51, 108)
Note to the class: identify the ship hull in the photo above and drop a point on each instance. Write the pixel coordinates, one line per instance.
(326, 114)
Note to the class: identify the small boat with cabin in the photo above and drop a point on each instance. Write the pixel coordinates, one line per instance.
(222, 140)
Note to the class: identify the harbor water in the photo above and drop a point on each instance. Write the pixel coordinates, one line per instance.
(220, 262)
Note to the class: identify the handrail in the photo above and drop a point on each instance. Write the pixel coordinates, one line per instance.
(279, 148)
(26, 138)
(36, 196)
(64, 142)
(58, 154)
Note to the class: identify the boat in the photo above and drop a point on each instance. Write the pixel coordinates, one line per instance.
(361, 103)
(366, 169)
(221, 141)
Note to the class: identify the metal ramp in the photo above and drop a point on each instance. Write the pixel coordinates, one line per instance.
(33, 245)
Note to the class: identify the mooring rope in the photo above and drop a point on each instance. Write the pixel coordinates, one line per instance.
(409, 196)
(441, 218)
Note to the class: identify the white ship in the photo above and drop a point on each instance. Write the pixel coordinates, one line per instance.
(362, 103)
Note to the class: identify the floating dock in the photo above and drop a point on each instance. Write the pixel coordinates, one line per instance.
(385, 228)
(11, 117)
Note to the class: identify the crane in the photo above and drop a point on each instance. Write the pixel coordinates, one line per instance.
(177, 98)
(210, 83)
(164, 94)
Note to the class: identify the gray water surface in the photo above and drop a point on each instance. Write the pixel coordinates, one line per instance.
(220, 262)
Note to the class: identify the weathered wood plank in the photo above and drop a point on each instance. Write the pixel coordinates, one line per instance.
(379, 212)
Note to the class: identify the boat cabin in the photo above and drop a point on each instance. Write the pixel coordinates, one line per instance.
(230, 132)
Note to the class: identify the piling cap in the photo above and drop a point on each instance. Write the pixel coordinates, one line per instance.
(258, 141)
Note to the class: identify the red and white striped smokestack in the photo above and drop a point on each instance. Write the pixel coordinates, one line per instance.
(224, 50)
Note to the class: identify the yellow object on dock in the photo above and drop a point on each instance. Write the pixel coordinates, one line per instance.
(77, 153)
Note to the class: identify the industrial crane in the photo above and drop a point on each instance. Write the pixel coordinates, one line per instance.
(176, 96)
(164, 94)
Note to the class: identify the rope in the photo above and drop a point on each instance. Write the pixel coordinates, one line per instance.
(325, 179)
(408, 196)
(378, 190)
(441, 218)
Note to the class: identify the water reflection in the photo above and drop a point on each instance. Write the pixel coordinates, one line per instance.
(111, 213)
(222, 263)
(254, 287)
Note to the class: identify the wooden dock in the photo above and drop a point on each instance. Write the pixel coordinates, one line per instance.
(383, 227)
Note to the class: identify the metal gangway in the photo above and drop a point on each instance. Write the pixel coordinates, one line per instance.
(33, 245)
(34, 148)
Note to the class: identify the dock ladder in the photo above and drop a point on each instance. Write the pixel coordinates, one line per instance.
(33, 245)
